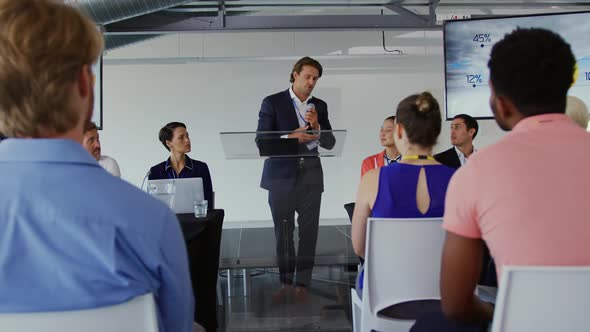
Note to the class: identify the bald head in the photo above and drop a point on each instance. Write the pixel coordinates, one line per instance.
(577, 111)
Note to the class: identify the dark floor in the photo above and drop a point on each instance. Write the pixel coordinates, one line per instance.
(327, 308)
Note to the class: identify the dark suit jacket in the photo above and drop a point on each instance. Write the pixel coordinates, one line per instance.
(277, 113)
(449, 158)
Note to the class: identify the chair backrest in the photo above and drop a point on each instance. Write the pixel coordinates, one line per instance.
(136, 315)
(543, 298)
(402, 261)
(349, 207)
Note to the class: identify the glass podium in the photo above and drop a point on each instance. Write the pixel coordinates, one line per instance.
(276, 144)
(251, 255)
(252, 247)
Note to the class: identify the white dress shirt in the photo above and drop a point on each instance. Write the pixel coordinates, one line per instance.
(300, 110)
(461, 155)
(110, 165)
(300, 107)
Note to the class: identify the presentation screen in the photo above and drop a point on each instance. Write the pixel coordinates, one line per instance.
(97, 112)
(467, 46)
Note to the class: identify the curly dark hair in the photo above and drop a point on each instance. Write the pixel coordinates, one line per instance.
(534, 68)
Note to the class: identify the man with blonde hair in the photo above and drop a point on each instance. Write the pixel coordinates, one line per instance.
(65, 247)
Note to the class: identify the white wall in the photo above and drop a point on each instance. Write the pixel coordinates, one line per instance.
(149, 84)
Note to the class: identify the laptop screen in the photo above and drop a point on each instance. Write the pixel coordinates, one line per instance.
(178, 194)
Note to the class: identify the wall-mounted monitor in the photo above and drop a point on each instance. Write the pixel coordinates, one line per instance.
(97, 112)
(468, 43)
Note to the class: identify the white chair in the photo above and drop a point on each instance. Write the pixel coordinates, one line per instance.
(136, 315)
(543, 299)
(357, 307)
(402, 263)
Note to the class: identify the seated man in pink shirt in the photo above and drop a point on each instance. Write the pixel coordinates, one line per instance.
(525, 195)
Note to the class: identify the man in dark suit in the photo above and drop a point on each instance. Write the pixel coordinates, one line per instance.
(464, 128)
(295, 184)
(463, 131)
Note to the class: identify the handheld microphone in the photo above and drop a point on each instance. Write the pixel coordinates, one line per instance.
(310, 106)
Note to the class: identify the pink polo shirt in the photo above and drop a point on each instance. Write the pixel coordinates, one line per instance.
(527, 196)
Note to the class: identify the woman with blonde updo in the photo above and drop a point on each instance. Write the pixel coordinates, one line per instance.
(415, 187)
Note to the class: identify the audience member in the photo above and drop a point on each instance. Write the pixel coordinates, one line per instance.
(523, 196)
(175, 139)
(464, 128)
(91, 143)
(386, 157)
(73, 237)
(414, 187)
(576, 110)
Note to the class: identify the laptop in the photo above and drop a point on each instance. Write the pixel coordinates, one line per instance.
(276, 146)
(179, 194)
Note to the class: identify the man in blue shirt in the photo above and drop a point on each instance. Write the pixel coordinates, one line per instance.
(71, 235)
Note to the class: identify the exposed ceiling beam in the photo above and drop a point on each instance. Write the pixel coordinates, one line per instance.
(320, 22)
(506, 4)
(278, 4)
(431, 18)
(405, 12)
(154, 23)
(243, 15)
